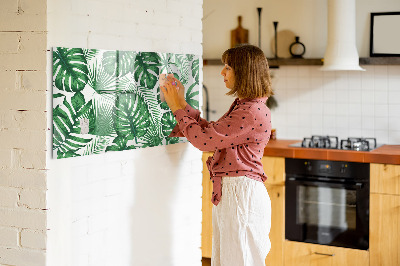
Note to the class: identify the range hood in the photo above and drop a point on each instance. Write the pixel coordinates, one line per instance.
(341, 51)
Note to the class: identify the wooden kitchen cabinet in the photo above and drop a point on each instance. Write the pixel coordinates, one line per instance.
(277, 233)
(274, 168)
(384, 236)
(385, 178)
(305, 254)
(206, 225)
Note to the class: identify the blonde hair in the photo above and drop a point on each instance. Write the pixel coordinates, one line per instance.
(250, 66)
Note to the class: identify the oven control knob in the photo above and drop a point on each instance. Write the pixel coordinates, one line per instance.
(308, 166)
(343, 168)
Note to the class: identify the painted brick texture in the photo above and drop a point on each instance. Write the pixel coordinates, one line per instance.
(23, 218)
(123, 208)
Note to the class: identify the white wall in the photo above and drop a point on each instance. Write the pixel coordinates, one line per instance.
(23, 133)
(311, 102)
(140, 207)
(304, 18)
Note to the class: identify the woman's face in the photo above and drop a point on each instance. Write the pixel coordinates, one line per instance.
(229, 76)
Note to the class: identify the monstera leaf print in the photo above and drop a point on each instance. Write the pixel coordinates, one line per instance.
(66, 126)
(97, 145)
(69, 69)
(182, 63)
(191, 96)
(195, 70)
(107, 100)
(128, 85)
(147, 69)
(168, 123)
(132, 117)
(119, 63)
(165, 63)
(120, 143)
(152, 137)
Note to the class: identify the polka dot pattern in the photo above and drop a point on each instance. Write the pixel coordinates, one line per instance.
(238, 139)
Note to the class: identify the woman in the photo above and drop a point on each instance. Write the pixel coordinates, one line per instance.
(242, 208)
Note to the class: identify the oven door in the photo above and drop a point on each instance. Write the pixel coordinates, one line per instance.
(327, 213)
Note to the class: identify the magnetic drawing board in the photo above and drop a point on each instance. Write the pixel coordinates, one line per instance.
(109, 100)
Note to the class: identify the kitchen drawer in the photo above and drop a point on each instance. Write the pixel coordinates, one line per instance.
(385, 178)
(305, 254)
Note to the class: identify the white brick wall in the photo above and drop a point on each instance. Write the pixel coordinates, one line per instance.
(140, 207)
(100, 207)
(23, 124)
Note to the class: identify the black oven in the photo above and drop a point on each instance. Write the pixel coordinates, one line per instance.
(327, 202)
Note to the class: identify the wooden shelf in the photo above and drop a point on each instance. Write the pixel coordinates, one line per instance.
(380, 61)
(274, 63)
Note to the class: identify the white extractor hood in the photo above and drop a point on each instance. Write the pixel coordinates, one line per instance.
(341, 51)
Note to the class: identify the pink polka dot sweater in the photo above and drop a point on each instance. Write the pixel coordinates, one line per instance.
(238, 139)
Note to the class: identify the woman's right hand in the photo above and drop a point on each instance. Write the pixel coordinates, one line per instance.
(181, 91)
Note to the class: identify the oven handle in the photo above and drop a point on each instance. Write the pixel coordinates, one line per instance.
(357, 185)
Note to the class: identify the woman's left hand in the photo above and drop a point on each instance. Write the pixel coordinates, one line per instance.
(171, 95)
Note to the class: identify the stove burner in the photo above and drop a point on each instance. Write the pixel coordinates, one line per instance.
(328, 142)
(332, 142)
(358, 144)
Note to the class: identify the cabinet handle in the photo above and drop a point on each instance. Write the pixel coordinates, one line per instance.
(325, 254)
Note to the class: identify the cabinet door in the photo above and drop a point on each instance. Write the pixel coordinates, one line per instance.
(277, 233)
(385, 178)
(384, 229)
(274, 168)
(304, 254)
(206, 232)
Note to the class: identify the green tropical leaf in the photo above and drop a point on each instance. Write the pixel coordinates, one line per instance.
(97, 145)
(100, 80)
(190, 96)
(58, 95)
(89, 53)
(132, 116)
(152, 138)
(172, 140)
(67, 139)
(182, 63)
(128, 84)
(147, 69)
(190, 57)
(67, 154)
(103, 107)
(118, 144)
(165, 63)
(164, 106)
(69, 69)
(168, 122)
(196, 70)
(119, 63)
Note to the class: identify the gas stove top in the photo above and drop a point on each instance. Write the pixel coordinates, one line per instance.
(332, 142)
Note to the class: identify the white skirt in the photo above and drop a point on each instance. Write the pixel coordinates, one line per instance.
(241, 223)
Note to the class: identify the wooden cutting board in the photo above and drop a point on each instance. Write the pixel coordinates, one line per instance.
(239, 35)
